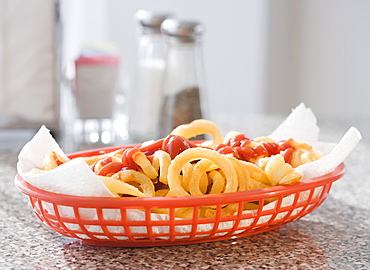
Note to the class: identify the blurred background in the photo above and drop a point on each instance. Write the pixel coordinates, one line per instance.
(260, 56)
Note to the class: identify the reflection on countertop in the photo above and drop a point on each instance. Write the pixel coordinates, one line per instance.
(335, 236)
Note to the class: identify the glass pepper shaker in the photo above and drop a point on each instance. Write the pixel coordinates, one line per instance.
(183, 96)
(150, 64)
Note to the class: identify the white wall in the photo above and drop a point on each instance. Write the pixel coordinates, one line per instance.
(27, 63)
(319, 53)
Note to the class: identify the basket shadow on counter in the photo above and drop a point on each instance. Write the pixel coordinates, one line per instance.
(322, 240)
(283, 247)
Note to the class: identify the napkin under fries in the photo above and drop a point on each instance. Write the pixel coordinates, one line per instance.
(76, 178)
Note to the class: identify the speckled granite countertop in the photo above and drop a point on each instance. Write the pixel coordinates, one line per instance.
(335, 236)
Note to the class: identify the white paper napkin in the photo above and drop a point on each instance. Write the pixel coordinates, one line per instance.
(329, 162)
(301, 125)
(72, 178)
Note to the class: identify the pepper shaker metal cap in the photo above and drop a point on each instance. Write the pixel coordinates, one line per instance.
(182, 30)
(151, 21)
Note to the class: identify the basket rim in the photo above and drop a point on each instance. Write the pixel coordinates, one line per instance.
(232, 197)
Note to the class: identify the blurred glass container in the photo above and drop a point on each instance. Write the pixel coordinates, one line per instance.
(184, 92)
(144, 98)
(95, 90)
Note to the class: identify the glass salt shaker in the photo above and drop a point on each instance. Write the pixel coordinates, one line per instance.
(183, 97)
(150, 64)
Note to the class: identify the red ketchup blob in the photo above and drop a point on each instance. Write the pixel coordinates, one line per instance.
(174, 145)
(239, 147)
(238, 140)
(287, 149)
(103, 162)
(245, 153)
(111, 168)
(128, 158)
(150, 149)
(287, 154)
(225, 149)
(272, 148)
(284, 144)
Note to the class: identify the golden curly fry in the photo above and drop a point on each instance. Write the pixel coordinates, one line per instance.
(251, 177)
(118, 187)
(144, 182)
(186, 171)
(198, 127)
(161, 162)
(98, 164)
(279, 172)
(218, 182)
(52, 160)
(302, 156)
(256, 173)
(227, 210)
(143, 162)
(91, 160)
(230, 135)
(301, 145)
(199, 180)
(162, 192)
(242, 172)
(196, 154)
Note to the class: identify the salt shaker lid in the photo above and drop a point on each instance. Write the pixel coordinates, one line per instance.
(182, 30)
(151, 19)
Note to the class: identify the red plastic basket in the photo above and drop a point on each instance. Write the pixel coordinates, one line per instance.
(131, 222)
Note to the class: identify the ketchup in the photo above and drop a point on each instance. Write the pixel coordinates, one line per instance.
(128, 158)
(150, 149)
(284, 144)
(287, 154)
(110, 168)
(272, 148)
(174, 145)
(238, 140)
(225, 149)
(287, 149)
(239, 147)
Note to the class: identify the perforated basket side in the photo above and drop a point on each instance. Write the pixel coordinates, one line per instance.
(116, 226)
(136, 221)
